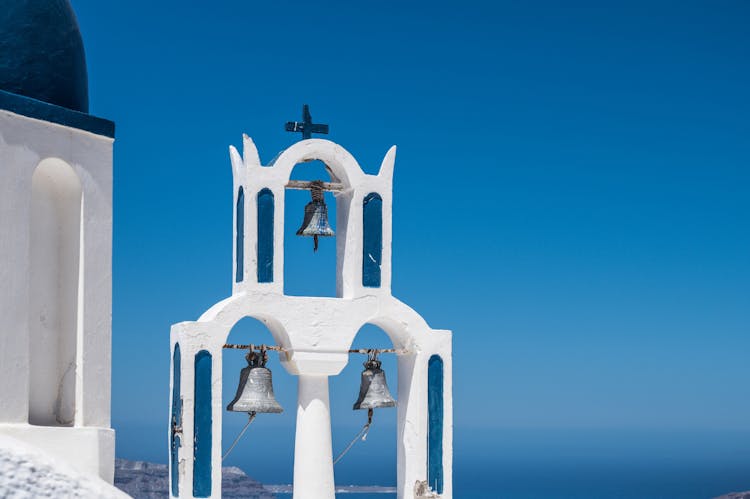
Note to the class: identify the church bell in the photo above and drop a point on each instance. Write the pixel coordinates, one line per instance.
(373, 390)
(255, 391)
(315, 223)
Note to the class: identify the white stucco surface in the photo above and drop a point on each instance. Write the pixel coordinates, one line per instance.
(55, 302)
(28, 473)
(317, 332)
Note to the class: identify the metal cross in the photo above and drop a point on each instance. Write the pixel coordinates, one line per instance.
(306, 126)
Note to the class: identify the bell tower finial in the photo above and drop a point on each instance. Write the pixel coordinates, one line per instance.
(306, 126)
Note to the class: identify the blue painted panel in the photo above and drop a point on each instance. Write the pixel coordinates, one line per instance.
(265, 236)
(372, 247)
(240, 240)
(33, 108)
(175, 420)
(202, 421)
(435, 430)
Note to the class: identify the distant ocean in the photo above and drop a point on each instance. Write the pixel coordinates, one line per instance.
(525, 464)
(603, 480)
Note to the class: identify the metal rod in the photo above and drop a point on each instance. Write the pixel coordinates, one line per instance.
(255, 347)
(368, 351)
(275, 348)
(305, 186)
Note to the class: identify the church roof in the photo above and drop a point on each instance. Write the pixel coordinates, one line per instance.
(41, 53)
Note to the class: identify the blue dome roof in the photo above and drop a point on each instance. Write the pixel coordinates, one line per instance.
(41, 53)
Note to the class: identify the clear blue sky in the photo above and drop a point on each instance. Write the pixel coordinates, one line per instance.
(572, 199)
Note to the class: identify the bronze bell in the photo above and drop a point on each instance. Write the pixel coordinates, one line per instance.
(373, 390)
(255, 391)
(315, 223)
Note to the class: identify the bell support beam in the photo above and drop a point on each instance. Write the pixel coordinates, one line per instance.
(313, 455)
(301, 185)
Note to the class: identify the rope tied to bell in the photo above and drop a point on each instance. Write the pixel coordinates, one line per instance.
(316, 190)
(250, 419)
(362, 434)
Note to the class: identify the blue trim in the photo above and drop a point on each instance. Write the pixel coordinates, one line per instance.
(265, 235)
(202, 427)
(435, 430)
(372, 245)
(240, 237)
(32, 108)
(176, 420)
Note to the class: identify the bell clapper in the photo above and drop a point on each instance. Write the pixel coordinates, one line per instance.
(369, 423)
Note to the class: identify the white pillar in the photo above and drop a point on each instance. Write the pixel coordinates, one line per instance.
(313, 459)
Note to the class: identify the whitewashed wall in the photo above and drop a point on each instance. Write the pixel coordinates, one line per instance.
(55, 301)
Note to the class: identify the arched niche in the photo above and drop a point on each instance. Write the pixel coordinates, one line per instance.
(202, 424)
(266, 214)
(373, 461)
(240, 236)
(270, 435)
(308, 272)
(55, 295)
(372, 240)
(435, 406)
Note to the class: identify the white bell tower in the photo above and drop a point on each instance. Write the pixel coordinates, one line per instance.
(314, 333)
(55, 242)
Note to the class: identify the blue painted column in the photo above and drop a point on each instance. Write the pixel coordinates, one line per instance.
(175, 423)
(240, 237)
(265, 235)
(372, 246)
(435, 429)
(202, 426)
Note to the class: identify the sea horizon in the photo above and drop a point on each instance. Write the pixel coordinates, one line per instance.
(529, 463)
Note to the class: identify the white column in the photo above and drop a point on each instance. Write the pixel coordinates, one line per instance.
(313, 460)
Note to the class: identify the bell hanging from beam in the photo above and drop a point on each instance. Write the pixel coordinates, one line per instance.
(255, 391)
(315, 223)
(373, 390)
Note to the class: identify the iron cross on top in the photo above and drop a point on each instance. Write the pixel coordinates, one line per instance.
(306, 126)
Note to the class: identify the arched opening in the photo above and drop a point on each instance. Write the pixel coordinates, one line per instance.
(372, 245)
(265, 235)
(265, 451)
(240, 236)
(373, 461)
(55, 295)
(308, 272)
(435, 423)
